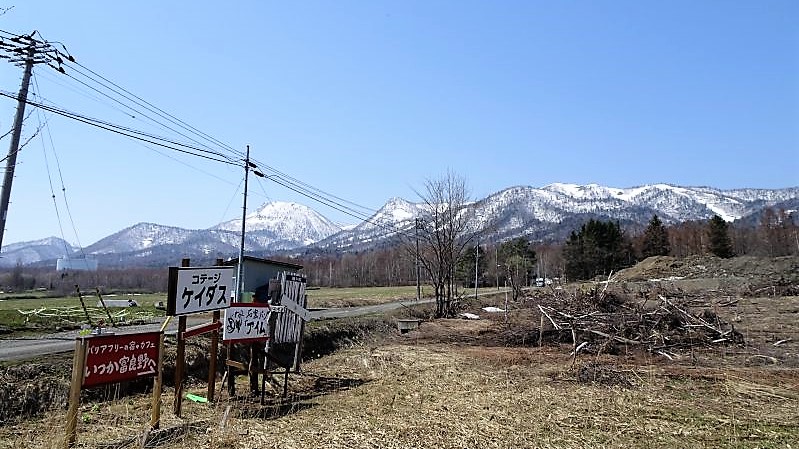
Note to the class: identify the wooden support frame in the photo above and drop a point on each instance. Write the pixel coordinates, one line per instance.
(180, 360)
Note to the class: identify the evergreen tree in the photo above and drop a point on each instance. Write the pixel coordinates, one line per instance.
(464, 269)
(599, 248)
(656, 239)
(719, 236)
(517, 258)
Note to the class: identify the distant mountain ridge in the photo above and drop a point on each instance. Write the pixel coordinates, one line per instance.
(545, 213)
(552, 211)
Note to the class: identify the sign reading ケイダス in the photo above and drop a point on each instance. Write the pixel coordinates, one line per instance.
(193, 290)
(118, 358)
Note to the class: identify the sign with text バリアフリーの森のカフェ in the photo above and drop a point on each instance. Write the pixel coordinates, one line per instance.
(199, 289)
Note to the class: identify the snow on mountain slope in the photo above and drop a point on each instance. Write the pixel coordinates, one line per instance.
(677, 203)
(395, 217)
(30, 252)
(140, 236)
(548, 212)
(524, 210)
(284, 222)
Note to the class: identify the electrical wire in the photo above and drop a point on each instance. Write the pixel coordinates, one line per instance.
(140, 113)
(52, 192)
(63, 185)
(53, 56)
(125, 131)
(152, 108)
(391, 229)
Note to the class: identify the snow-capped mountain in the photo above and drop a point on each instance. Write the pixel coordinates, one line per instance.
(138, 237)
(552, 211)
(25, 253)
(282, 225)
(545, 213)
(396, 216)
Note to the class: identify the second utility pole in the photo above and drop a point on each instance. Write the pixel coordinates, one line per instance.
(13, 149)
(239, 270)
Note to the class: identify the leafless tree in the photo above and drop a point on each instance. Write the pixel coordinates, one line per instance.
(444, 235)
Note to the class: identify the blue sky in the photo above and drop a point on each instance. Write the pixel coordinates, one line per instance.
(366, 100)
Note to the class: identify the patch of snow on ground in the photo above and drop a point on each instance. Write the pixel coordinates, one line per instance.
(492, 309)
(670, 278)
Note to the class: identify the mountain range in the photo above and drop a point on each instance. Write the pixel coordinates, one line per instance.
(544, 214)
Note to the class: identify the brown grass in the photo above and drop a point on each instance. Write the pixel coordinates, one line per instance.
(440, 387)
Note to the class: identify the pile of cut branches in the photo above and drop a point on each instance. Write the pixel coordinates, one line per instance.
(604, 322)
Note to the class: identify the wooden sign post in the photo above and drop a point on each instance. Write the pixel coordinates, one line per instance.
(196, 290)
(78, 367)
(244, 323)
(104, 359)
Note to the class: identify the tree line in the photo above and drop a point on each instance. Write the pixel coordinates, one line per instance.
(445, 249)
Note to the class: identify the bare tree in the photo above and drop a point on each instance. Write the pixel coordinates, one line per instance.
(444, 235)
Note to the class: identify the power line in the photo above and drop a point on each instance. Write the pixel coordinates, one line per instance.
(52, 193)
(126, 131)
(138, 112)
(58, 59)
(63, 186)
(152, 108)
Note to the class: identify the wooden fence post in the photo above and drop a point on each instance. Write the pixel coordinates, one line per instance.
(155, 420)
(78, 367)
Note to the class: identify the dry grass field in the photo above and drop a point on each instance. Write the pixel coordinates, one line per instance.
(442, 386)
(455, 383)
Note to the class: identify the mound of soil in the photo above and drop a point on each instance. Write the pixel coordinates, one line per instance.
(698, 267)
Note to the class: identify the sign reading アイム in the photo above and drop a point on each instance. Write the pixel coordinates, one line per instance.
(246, 322)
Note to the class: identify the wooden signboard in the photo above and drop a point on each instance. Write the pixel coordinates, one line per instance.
(246, 322)
(289, 326)
(193, 290)
(119, 358)
(110, 358)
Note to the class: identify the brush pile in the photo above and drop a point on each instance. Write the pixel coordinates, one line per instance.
(603, 322)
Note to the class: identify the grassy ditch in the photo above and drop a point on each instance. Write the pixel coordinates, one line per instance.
(30, 388)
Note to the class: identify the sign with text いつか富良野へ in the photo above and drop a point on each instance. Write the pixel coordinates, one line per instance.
(193, 290)
(117, 358)
(246, 322)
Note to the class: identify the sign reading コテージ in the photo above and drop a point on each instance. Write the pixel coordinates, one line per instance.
(118, 358)
(193, 290)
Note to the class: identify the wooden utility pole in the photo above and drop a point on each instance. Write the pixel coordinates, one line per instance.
(239, 268)
(13, 149)
(476, 260)
(79, 359)
(418, 268)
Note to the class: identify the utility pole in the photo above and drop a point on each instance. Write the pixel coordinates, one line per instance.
(13, 149)
(476, 259)
(239, 283)
(496, 262)
(418, 285)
